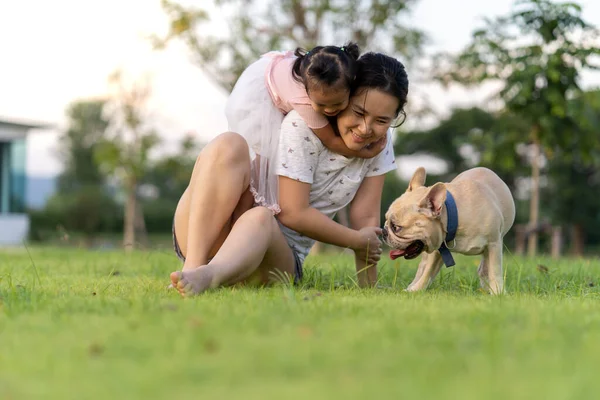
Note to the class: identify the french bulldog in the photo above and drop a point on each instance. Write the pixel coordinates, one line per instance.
(481, 210)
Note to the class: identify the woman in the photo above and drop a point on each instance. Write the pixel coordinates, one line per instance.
(223, 239)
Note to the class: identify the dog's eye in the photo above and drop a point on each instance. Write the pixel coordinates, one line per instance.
(395, 228)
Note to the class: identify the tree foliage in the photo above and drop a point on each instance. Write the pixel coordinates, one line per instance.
(468, 138)
(86, 128)
(573, 178)
(258, 26)
(537, 52)
(170, 175)
(125, 151)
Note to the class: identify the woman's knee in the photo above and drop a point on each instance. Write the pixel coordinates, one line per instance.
(260, 216)
(228, 148)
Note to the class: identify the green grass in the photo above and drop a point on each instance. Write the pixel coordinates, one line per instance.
(102, 325)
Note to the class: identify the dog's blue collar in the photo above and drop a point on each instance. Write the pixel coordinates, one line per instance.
(452, 212)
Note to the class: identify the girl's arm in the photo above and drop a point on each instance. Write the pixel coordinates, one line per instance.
(365, 211)
(328, 137)
(297, 214)
(335, 143)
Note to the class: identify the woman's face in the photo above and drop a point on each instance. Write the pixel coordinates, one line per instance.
(367, 118)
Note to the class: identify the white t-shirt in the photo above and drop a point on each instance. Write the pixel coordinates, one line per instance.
(334, 179)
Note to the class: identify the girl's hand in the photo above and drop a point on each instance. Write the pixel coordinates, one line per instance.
(374, 148)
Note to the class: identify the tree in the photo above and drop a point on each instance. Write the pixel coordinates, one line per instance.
(538, 52)
(572, 177)
(86, 127)
(259, 26)
(82, 203)
(126, 152)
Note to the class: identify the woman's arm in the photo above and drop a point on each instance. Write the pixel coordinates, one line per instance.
(365, 211)
(297, 214)
(298, 159)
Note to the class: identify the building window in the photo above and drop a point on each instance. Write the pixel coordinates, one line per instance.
(4, 177)
(17, 175)
(12, 176)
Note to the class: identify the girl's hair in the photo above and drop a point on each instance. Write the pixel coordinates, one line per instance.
(384, 73)
(326, 66)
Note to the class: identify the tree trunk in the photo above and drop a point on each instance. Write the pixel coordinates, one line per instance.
(577, 240)
(520, 239)
(140, 226)
(129, 225)
(557, 240)
(534, 202)
(88, 240)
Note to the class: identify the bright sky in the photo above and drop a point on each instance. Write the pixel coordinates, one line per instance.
(54, 52)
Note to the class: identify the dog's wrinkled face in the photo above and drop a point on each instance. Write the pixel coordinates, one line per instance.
(413, 220)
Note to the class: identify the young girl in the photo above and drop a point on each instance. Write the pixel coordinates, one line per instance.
(315, 83)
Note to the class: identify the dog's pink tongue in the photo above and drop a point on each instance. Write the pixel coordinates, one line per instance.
(396, 253)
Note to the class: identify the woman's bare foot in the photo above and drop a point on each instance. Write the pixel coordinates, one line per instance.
(192, 282)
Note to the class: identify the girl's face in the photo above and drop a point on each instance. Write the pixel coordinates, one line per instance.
(367, 118)
(328, 101)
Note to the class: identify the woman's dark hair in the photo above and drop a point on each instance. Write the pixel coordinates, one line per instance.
(326, 66)
(384, 73)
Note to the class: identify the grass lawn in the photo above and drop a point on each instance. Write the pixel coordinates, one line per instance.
(102, 325)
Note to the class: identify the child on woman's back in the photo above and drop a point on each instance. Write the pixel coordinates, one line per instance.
(316, 84)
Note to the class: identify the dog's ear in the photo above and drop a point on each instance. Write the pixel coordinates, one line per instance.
(435, 198)
(417, 180)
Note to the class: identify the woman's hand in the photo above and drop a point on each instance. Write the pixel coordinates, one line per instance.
(368, 246)
(364, 218)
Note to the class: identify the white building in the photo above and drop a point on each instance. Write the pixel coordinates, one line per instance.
(14, 222)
